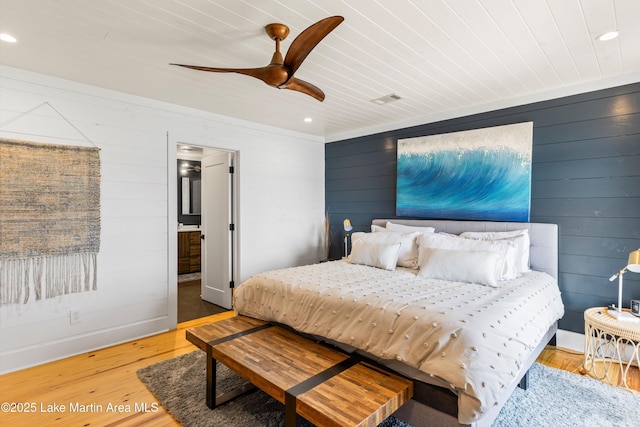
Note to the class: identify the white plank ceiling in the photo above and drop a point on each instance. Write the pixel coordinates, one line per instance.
(444, 58)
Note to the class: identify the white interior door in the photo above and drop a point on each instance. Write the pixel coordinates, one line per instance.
(217, 231)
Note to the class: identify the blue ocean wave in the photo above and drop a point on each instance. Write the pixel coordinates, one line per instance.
(464, 184)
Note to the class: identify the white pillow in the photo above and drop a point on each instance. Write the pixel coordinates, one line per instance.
(519, 237)
(505, 267)
(377, 228)
(379, 255)
(400, 228)
(408, 255)
(460, 266)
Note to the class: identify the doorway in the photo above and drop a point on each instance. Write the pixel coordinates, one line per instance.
(206, 227)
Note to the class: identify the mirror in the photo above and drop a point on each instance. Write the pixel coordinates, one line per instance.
(191, 200)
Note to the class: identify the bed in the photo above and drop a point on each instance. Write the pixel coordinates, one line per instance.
(463, 315)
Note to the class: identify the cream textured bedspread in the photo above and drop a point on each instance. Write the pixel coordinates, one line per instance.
(472, 338)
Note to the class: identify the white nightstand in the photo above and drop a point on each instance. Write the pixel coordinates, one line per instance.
(609, 342)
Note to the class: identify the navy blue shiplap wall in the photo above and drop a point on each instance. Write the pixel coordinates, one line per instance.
(585, 178)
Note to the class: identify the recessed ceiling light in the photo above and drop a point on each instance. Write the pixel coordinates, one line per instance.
(609, 35)
(7, 38)
(308, 119)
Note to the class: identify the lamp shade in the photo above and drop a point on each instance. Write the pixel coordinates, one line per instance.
(634, 261)
(347, 225)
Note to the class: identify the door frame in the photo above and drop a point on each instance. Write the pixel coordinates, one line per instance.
(172, 219)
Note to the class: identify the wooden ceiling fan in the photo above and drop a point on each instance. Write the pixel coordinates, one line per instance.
(279, 73)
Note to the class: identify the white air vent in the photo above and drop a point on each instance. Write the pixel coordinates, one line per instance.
(386, 99)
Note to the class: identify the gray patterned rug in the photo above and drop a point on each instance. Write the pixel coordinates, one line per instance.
(554, 398)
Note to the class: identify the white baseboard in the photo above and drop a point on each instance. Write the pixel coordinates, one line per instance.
(570, 340)
(26, 357)
(575, 341)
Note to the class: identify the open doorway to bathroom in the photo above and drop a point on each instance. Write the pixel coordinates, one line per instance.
(206, 250)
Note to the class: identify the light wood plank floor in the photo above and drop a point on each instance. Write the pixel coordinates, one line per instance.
(107, 379)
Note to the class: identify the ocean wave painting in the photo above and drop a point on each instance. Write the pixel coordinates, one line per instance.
(482, 174)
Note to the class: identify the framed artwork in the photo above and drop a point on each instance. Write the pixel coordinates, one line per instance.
(481, 174)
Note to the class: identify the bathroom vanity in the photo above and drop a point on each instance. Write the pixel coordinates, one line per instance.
(188, 250)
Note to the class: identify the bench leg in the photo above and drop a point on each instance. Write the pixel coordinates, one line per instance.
(290, 416)
(211, 379)
(213, 400)
(292, 419)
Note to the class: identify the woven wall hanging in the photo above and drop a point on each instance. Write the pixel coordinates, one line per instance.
(49, 219)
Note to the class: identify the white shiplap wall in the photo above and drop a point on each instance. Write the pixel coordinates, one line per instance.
(280, 208)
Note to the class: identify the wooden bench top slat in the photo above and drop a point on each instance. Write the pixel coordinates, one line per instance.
(362, 396)
(331, 387)
(276, 359)
(202, 335)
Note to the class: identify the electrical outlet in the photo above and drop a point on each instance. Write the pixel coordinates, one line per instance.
(74, 317)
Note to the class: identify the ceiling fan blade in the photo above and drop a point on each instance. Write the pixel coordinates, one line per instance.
(272, 74)
(304, 87)
(258, 73)
(307, 40)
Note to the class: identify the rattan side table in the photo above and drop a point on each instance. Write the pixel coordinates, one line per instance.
(609, 342)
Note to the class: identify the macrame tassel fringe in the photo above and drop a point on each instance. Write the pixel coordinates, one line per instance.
(59, 275)
(14, 280)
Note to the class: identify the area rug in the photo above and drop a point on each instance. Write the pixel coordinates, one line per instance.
(554, 398)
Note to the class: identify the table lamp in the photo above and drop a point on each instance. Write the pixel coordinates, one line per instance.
(347, 229)
(632, 265)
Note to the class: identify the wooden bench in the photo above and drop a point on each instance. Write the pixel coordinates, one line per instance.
(323, 385)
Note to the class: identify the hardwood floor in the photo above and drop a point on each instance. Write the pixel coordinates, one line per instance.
(105, 385)
(190, 305)
(101, 377)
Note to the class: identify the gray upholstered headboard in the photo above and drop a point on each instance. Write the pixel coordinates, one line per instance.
(544, 237)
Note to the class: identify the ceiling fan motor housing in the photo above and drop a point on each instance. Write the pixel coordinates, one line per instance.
(277, 31)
